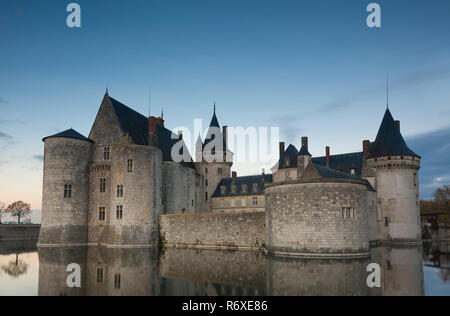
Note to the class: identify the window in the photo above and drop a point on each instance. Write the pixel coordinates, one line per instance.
(415, 179)
(206, 170)
(119, 212)
(106, 153)
(67, 191)
(348, 213)
(233, 189)
(255, 201)
(222, 203)
(102, 185)
(102, 214)
(287, 162)
(206, 182)
(120, 191)
(352, 171)
(130, 166)
(220, 171)
(255, 187)
(223, 189)
(206, 196)
(117, 279)
(244, 188)
(100, 275)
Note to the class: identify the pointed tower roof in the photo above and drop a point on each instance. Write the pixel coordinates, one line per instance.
(213, 126)
(304, 152)
(389, 141)
(70, 133)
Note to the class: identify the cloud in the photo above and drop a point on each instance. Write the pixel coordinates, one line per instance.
(414, 78)
(434, 148)
(39, 157)
(6, 137)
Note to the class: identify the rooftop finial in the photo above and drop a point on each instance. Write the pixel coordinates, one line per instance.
(106, 88)
(214, 106)
(162, 113)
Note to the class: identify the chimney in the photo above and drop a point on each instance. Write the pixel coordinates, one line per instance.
(327, 156)
(398, 124)
(366, 148)
(281, 149)
(160, 121)
(234, 175)
(263, 174)
(152, 136)
(305, 142)
(225, 136)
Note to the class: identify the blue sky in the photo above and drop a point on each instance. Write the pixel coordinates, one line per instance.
(311, 67)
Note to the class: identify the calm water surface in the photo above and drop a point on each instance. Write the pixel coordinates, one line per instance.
(25, 270)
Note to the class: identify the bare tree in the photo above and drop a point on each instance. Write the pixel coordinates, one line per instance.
(2, 207)
(19, 209)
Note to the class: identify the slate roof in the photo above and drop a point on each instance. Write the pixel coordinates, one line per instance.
(304, 152)
(389, 141)
(136, 125)
(329, 173)
(289, 154)
(343, 162)
(248, 180)
(210, 136)
(70, 133)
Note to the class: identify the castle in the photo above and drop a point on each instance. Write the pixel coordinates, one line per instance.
(121, 187)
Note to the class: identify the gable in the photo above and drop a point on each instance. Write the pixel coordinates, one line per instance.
(106, 129)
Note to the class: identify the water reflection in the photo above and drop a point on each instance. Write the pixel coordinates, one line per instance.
(405, 271)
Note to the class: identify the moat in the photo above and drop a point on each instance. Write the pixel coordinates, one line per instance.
(26, 270)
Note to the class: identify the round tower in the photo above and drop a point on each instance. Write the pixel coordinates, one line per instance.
(324, 213)
(397, 184)
(214, 160)
(65, 197)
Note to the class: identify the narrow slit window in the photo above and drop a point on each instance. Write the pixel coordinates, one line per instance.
(130, 166)
(120, 191)
(102, 185)
(106, 153)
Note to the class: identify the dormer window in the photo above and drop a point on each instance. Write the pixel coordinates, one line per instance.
(223, 189)
(255, 187)
(353, 171)
(233, 189)
(287, 162)
(244, 188)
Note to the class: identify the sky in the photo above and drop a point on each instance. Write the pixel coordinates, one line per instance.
(312, 68)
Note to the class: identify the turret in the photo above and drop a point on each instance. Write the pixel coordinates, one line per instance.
(214, 160)
(65, 198)
(396, 167)
(303, 157)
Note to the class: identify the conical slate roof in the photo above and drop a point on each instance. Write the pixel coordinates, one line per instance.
(213, 126)
(389, 141)
(70, 133)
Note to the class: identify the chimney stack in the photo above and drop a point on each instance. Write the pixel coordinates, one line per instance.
(281, 149)
(152, 136)
(366, 148)
(160, 121)
(398, 124)
(327, 156)
(305, 142)
(234, 175)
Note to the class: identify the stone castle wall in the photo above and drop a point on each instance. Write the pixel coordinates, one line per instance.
(66, 162)
(182, 189)
(19, 232)
(211, 179)
(214, 230)
(306, 218)
(141, 199)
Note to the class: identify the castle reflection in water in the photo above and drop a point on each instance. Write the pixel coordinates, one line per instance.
(209, 272)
